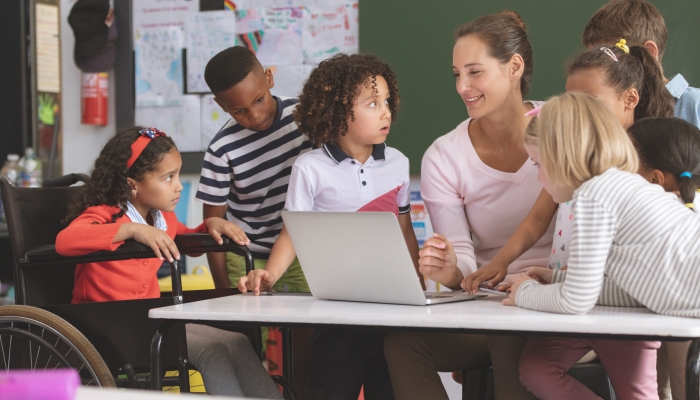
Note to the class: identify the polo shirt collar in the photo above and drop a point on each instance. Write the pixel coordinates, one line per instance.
(677, 86)
(337, 154)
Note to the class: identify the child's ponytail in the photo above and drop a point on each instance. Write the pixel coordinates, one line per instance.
(688, 186)
(630, 67)
(670, 145)
(654, 99)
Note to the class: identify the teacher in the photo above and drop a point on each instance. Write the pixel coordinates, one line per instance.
(478, 185)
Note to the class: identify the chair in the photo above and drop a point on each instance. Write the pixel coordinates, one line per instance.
(109, 342)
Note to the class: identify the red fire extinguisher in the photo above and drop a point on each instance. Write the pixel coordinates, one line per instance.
(93, 98)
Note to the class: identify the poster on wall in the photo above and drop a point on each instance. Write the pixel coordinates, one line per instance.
(162, 13)
(158, 67)
(47, 139)
(281, 43)
(212, 119)
(329, 30)
(207, 34)
(180, 122)
(48, 65)
(288, 36)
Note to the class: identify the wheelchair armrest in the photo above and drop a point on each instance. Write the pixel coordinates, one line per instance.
(47, 255)
(195, 243)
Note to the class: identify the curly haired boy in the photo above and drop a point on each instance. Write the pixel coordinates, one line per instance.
(346, 109)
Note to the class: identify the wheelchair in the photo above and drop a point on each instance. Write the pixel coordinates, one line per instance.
(108, 343)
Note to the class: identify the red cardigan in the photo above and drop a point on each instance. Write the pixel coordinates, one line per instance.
(111, 280)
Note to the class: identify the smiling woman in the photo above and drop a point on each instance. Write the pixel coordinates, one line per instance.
(478, 184)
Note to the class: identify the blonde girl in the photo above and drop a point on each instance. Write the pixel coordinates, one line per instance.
(632, 244)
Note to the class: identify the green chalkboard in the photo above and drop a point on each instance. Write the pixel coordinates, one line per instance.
(415, 38)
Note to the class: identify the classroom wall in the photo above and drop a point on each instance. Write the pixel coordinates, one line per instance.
(415, 38)
(81, 144)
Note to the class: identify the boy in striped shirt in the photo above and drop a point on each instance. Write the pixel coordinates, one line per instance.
(246, 168)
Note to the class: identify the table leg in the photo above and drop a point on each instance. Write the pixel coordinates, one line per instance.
(287, 354)
(692, 371)
(156, 343)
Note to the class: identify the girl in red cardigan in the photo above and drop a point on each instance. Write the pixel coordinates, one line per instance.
(132, 194)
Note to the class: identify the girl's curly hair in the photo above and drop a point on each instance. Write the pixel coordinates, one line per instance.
(108, 183)
(327, 99)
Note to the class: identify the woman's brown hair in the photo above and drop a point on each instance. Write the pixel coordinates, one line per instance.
(505, 35)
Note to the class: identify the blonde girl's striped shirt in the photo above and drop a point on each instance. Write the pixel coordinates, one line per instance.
(632, 244)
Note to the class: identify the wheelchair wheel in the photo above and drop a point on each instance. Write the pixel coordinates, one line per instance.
(35, 339)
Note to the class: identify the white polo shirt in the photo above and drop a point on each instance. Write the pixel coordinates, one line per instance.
(327, 179)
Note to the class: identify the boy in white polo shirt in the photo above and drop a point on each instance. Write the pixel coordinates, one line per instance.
(346, 109)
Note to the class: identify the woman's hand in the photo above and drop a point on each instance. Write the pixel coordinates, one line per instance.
(516, 281)
(156, 239)
(541, 275)
(256, 280)
(438, 261)
(492, 272)
(219, 226)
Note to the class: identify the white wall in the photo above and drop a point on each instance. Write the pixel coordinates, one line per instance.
(81, 144)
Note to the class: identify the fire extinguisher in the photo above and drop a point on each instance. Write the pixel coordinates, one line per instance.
(93, 98)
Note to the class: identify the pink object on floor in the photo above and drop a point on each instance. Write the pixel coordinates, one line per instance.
(60, 384)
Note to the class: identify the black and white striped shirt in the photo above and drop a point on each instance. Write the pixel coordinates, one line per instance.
(632, 244)
(249, 171)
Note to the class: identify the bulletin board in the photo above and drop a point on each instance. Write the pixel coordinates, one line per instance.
(173, 42)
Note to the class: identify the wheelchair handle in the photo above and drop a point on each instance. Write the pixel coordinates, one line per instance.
(66, 180)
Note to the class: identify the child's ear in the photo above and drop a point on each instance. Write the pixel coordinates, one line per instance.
(657, 177)
(270, 78)
(653, 48)
(631, 98)
(132, 184)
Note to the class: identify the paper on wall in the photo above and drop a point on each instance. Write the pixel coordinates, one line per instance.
(158, 63)
(212, 119)
(281, 44)
(328, 30)
(179, 122)
(207, 34)
(48, 66)
(289, 79)
(162, 13)
(247, 4)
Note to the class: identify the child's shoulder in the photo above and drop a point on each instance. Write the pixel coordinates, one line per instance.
(394, 154)
(313, 159)
(687, 99)
(616, 187)
(102, 212)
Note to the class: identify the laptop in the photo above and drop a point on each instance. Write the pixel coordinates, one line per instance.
(359, 256)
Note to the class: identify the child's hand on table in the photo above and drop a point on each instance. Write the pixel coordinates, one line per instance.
(515, 281)
(492, 272)
(219, 226)
(159, 241)
(541, 275)
(256, 280)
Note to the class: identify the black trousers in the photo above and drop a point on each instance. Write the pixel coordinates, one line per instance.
(343, 361)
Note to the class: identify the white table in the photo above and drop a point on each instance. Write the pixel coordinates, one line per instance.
(91, 393)
(484, 315)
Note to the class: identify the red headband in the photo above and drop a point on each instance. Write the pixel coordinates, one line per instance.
(146, 135)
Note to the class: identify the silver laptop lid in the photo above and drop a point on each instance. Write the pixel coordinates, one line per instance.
(355, 256)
